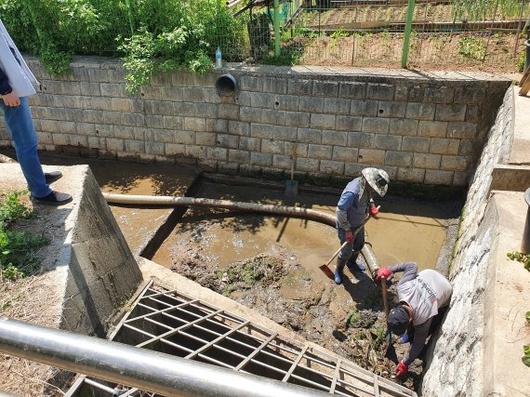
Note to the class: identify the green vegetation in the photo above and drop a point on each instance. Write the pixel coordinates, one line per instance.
(487, 9)
(18, 250)
(520, 257)
(526, 355)
(472, 47)
(151, 35)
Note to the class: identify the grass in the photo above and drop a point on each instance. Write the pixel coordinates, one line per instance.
(520, 257)
(18, 249)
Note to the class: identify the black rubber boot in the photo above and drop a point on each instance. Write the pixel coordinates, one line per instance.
(339, 271)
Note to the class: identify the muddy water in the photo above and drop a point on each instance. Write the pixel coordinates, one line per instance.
(406, 230)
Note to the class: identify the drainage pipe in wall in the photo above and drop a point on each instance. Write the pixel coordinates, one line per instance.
(282, 210)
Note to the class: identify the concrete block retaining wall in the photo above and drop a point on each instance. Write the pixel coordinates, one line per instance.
(457, 364)
(424, 128)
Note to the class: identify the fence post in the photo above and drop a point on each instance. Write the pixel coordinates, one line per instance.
(408, 31)
(276, 28)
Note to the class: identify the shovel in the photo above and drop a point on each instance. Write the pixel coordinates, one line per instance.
(327, 271)
(291, 186)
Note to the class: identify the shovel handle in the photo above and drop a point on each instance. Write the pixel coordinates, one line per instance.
(336, 253)
(385, 297)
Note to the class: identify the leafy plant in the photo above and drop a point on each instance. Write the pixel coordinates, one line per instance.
(472, 47)
(521, 61)
(526, 355)
(11, 208)
(520, 257)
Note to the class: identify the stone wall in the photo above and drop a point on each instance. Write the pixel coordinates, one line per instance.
(456, 362)
(424, 128)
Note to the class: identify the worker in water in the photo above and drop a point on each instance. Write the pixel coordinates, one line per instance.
(355, 205)
(423, 300)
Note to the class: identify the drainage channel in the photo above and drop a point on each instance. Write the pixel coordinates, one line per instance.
(170, 322)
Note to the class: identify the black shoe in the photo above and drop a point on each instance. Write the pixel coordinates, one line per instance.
(52, 176)
(54, 198)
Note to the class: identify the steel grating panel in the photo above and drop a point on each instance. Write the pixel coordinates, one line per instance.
(170, 322)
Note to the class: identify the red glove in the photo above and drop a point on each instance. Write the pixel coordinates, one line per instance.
(383, 273)
(349, 236)
(374, 210)
(401, 369)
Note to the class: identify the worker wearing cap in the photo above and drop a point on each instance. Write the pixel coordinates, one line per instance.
(355, 204)
(423, 300)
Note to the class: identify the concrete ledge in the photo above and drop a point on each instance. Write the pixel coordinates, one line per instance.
(511, 177)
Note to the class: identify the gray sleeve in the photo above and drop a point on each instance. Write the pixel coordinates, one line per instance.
(342, 219)
(410, 270)
(421, 332)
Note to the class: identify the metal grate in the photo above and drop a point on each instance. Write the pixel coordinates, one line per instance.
(170, 322)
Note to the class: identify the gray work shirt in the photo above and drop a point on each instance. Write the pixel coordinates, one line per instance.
(353, 205)
(425, 292)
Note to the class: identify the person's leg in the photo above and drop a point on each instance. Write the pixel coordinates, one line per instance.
(19, 121)
(358, 245)
(343, 257)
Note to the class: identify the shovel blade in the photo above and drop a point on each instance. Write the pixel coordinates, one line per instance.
(327, 271)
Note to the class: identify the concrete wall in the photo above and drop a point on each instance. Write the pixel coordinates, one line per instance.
(456, 362)
(425, 128)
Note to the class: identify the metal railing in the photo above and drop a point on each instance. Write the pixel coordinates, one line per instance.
(147, 370)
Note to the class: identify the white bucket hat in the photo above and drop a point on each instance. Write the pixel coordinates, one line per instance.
(377, 179)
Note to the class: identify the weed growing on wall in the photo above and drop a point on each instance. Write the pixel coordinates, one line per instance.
(520, 257)
(18, 250)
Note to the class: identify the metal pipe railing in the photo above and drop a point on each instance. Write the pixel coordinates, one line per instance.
(144, 369)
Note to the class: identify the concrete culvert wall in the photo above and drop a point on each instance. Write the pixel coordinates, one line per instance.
(422, 128)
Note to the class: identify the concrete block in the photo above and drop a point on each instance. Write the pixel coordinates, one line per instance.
(220, 125)
(467, 146)
(296, 149)
(392, 142)
(173, 122)
(404, 127)
(228, 168)
(401, 92)
(295, 119)
(259, 100)
(473, 113)
(228, 111)
(281, 161)
(132, 146)
(272, 146)
(460, 178)
(184, 137)
(308, 135)
(416, 93)
(325, 88)
(300, 87)
(229, 141)
(416, 144)
(348, 123)
(439, 94)
(444, 146)
(77, 140)
(334, 138)
(173, 149)
(337, 106)
(398, 159)
(95, 142)
(275, 85)
(412, 175)
(353, 170)
(433, 177)
(114, 145)
(239, 128)
(217, 153)
(433, 129)
(251, 83)
(332, 167)
(92, 89)
(194, 124)
(361, 140)
(454, 163)
(123, 105)
(451, 112)
(380, 91)
(251, 144)
(311, 104)
(458, 129)
(423, 160)
(273, 132)
(372, 156)
(197, 152)
(345, 154)
(391, 109)
(85, 128)
(420, 111)
(308, 165)
(324, 121)
(238, 156)
(470, 94)
(364, 108)
(154, 121)
(352, 90)
(205, 138)
(261, 159)
(376, 125)
(286, 102)
(322, 152)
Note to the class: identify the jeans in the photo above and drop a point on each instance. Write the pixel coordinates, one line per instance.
(351, 248)
(20, 125)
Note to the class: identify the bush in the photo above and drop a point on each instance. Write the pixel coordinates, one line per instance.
(150, 35)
